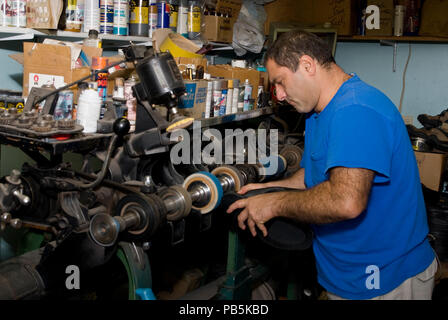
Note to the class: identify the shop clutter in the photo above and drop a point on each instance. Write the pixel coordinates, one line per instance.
(189, 18)
(105, 88)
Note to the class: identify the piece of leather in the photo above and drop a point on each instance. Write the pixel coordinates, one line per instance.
(284, 234)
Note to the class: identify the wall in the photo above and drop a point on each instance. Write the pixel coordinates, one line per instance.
(426, 75)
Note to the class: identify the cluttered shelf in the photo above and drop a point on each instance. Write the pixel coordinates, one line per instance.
(18, 33)
(360, 38)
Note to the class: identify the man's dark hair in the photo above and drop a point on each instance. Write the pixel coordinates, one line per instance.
(287, 50)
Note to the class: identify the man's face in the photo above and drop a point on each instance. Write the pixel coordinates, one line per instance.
(296, 88)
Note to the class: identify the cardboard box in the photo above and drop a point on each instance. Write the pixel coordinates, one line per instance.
(217, 29)
(227, 72)
(193, 103)
(434, 21)
(44, 63)
(184, 62)
(341, 14)
(231, 7)
(431, 167)
(387, 13)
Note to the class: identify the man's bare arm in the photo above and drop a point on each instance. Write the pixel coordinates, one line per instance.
(344, 196)
(295, 181)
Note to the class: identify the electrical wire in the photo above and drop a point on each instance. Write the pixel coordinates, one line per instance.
(404, 79)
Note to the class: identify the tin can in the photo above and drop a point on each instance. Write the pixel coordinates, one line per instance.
(138, 20)
(121, 17)
(163, 15)
(174, 9)
(64, 105)
(216, 97)
(5, 13)
(107, 16)
(99, 63)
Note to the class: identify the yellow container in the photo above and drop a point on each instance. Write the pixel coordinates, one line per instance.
(178, 46)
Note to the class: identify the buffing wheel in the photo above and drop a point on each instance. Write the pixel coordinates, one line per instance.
(232, 172)
(211, 183)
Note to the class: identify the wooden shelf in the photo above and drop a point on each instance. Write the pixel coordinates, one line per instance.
(358, 38)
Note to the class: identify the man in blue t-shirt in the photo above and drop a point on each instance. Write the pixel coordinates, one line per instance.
(358, 185)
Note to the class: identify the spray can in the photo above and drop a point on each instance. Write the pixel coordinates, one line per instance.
(223, 100)
(138, 21)
(174, 9)
(194, 19)
(17, 13)
(182, 18)
(247, 95)
(91, 15)
(107, 16)
(101, 79)
(163, 14)
(208, 99)
(216, 97)
(152, 17)
(121, 17)
(229, 96)
(236, 91)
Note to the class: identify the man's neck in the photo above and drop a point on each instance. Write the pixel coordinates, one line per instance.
(331, 80)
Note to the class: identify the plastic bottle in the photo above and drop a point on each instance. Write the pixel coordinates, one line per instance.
(91, 15)
(121, 17)
(152, 17)
(93, 40)
(182, 18)
(75, 15)
(107, 16)
(138, 21)
(88, 110)
(194, 19)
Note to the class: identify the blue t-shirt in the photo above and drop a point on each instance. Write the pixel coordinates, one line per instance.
(386, 244)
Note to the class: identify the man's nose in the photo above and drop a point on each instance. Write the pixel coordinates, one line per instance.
(280, 93)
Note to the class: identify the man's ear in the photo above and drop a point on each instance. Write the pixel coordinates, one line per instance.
(308, 64)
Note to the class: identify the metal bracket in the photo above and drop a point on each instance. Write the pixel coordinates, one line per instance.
(395, 45)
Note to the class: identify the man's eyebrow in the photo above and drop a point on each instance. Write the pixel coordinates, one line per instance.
(274, 81)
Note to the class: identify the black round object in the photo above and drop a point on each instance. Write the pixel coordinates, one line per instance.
(161, 79)
(121, 126)
(283, 234)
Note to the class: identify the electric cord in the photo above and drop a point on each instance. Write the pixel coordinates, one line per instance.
(404, 78)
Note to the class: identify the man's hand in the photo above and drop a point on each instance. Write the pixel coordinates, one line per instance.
(252, 186)
(256, 210)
